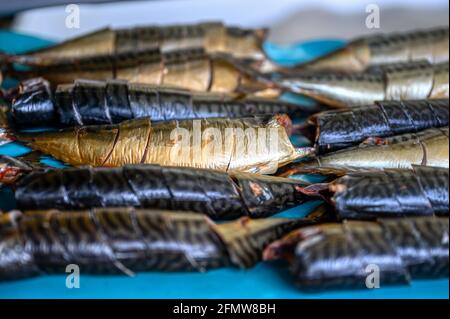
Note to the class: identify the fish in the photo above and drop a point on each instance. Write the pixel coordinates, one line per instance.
(402, 81)
(258, 144)
(360, 194)
(336, 129)
(191, 69)
(427, 147)
(357, 193)
(347, 255)
(216, 194)
(87, 102)
(363, 53)
(128, 240)
(213, 37)
(420, 191)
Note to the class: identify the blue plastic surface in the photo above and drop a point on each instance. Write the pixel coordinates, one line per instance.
(266, 280)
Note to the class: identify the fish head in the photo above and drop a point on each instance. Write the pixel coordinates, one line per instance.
(11, 169)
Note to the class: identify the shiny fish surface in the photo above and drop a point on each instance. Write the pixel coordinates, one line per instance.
(392, 192)
(213, 37)
(216, 194)
(191, 69)
(428, 147)
(125, 241)
(94, 102)
(430, 45)
(258, 144)
(337, 129)
(336, 256)
(410, 81)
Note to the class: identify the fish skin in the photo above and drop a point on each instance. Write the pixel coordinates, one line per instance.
(360, 54)
(140, 141)
(336, 256)
(404, 81)
(128, 240)
(191, 69)
(336, 129)
(217, 194)
(87, 102)
(213, 37)
(428, 147)
(420, 191)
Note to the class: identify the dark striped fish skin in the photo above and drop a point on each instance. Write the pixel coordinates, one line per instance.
(405, 81)
(218, 195)
(342, 128)
(192, 69)
(380, 49)
(341, 256)
(422, 191)
(428, 147)
(125, 240)
(213, 37)
(33, 103)
(95, 102)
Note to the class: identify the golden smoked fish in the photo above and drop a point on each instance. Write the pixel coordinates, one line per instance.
(404, 81)
(260, 144)
(428, 147)
(362, 53)
(213, 37)
(191, 69)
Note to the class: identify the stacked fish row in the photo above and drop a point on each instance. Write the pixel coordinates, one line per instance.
(120, 102)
